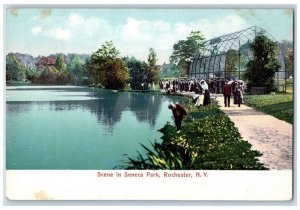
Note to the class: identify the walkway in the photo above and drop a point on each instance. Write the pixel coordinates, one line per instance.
(267, 134)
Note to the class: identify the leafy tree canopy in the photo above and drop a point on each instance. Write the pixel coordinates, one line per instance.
(232, 61)
(153, 74)
(138, 71)
(107, 68)
(184, 49)
(15, 69)
(106, 52)
(261, 70)
(290, 60)
(60, 63)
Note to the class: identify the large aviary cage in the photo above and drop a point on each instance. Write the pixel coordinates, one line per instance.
(227, 57)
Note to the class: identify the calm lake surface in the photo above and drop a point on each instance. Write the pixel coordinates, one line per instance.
(65, 127)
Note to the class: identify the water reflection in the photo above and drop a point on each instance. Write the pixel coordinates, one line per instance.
(79, 128)
(106, 105)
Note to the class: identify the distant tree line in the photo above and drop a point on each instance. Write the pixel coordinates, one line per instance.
(61, 72)
(106, 68)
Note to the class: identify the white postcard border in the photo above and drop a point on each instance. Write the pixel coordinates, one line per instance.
(149, 185)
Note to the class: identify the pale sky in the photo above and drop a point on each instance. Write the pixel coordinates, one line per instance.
(133, 31)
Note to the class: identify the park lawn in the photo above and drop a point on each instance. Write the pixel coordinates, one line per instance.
(279, 105)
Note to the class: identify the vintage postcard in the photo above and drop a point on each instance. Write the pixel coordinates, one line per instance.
(160, 103)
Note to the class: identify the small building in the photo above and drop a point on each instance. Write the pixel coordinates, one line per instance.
(45, 62)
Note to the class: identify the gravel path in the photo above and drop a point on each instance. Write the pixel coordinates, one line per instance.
(267, 134)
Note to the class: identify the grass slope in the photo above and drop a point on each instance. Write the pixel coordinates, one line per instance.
(279, 105)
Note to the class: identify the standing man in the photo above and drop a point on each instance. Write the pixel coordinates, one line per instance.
(179, 113)
(227, 93)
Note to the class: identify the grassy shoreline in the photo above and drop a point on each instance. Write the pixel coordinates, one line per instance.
(208, 141)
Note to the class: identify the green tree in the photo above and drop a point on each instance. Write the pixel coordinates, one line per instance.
(94, 71)
(63, 76)
(184, 49)
(232, 62)
(107, 52)
(290, 60)
(153, 73)
(170, 70)
(164, 70)
(107, 68)
(138, 71)
(60, 63)
(8, 76)
(287, 49)
(116, 74)
(48, 75)
(16, 70)
(32, 74)
(76, 69)
(261, 70)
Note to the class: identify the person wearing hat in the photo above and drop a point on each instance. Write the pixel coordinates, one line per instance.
(235, 91)
(206, 93)
(179, 113)
(239, 93)
(227, 89)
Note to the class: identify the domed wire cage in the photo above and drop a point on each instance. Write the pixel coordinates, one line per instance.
(226, 57)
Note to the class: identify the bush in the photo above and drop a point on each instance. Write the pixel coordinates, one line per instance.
(261, 69)
(208, 140)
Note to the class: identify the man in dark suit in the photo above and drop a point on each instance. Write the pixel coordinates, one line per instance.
(227, 89)
(179, 113)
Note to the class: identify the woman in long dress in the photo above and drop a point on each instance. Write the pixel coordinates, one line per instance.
(206, 93)
(198, 96)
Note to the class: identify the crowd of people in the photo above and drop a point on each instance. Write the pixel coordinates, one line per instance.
(204, 88)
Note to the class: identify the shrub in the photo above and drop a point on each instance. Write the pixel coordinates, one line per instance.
(208, 140)
(261, 69)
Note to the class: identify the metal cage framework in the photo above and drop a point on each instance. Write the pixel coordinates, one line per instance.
(227, 56)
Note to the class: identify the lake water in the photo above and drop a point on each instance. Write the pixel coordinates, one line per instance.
(64, 127)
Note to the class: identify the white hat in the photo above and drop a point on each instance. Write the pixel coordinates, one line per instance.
(171, 105)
